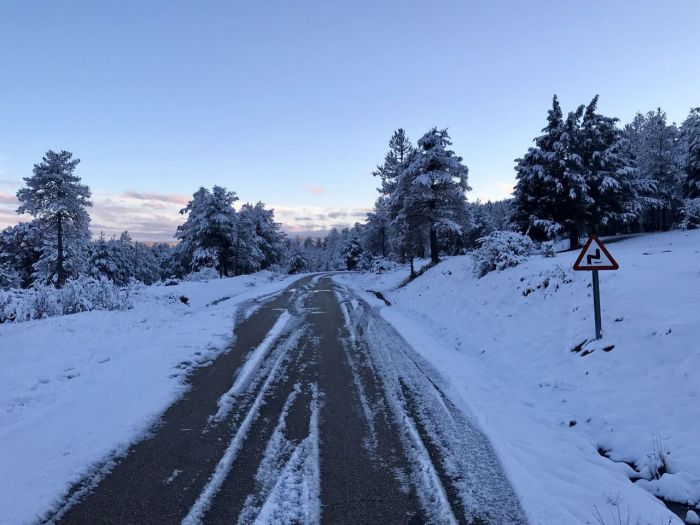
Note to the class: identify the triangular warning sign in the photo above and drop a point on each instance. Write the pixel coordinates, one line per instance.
(594, 256)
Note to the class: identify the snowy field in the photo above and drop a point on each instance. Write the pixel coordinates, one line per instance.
(571, 427)
(79, 388)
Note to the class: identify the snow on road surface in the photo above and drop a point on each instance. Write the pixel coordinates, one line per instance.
(79, 388)
(567, 425)
(251, 366)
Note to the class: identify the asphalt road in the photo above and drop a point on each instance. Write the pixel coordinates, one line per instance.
(318, 412)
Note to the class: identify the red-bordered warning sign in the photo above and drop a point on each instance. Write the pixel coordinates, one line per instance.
(595, 256)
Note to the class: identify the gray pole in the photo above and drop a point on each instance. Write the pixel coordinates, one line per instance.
(596, 305)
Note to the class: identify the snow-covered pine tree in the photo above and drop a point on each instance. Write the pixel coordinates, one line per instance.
(269, 235)
(691, 141)
(551, 194)
(54, 195)
(207, 236)
(376, 235)
(247, 254)
(400, 149)
(20, 249)
(101, 262)
(608, 170)
(432, 188)
(654, 143)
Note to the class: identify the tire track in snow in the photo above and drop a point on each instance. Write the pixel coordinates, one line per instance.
(295, 497)
(223, 467)
(449, 451)
(250, 368)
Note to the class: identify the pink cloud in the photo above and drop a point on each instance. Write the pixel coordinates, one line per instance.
(7, 198)
(315, 190)
(158, 197)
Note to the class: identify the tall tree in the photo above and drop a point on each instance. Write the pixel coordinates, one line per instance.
(207, 236)
(691, 141)
(654, 144)
(433, 187)
(551, 194)
(613, 185)
(54, 195)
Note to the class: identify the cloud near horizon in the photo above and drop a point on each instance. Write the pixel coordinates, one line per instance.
(155, 217)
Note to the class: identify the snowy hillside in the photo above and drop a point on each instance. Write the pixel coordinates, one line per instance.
(78, 388)
(571, 427)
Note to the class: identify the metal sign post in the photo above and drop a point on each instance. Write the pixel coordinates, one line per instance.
(594, 257)
(596, 305)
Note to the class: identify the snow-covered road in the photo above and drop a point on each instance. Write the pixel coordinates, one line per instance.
(319, 412)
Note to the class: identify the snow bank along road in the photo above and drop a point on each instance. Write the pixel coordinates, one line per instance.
(319, 412)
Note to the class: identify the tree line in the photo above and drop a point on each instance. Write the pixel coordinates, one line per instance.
(584, 174)
(56, 244)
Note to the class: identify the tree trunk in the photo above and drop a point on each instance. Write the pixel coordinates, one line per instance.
(573, 236)
(60, 270)
(413, 270)
(434, 246)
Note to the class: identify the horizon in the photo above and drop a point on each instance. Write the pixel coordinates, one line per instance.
(294, 105)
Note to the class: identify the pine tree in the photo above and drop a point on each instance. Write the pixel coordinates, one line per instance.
(101, 262)
(608, 171)
(247, 254)
(376, 237)
(691, 141)
(207, 236)
(654, 143)
(268, 234)
(55, 196)
(432, 188)
(551, 194)
(400, 149)
(20, 249)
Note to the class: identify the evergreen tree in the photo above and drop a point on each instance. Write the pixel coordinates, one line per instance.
(268, 235)
(207, 236)
(54, 195)
(101, 262)
(551, 194)
(654, 143)
(20, 250)
(432, 188)
(608, 170)
(247, 254)
(691, 142)
(377, 234)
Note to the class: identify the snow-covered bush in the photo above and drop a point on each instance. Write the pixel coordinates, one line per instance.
(382, 265)
(206, 273)
(547, 249)
(297, 264)
(500, 250)
(691, 214)
(77, 295)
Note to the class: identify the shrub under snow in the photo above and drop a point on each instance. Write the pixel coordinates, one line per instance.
(500, 250)
(691, 214)
(77, 295)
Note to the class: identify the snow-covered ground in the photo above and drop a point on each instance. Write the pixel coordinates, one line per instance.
(77, 389)
(504, 343)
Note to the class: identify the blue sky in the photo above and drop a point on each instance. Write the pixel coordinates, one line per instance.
(293, 102)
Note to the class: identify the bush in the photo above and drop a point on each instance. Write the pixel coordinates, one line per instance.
(382, 265)
(691, 214)
(77, 295)
(500, 250)
(547, 249)
(297, 264)
(204, 274)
